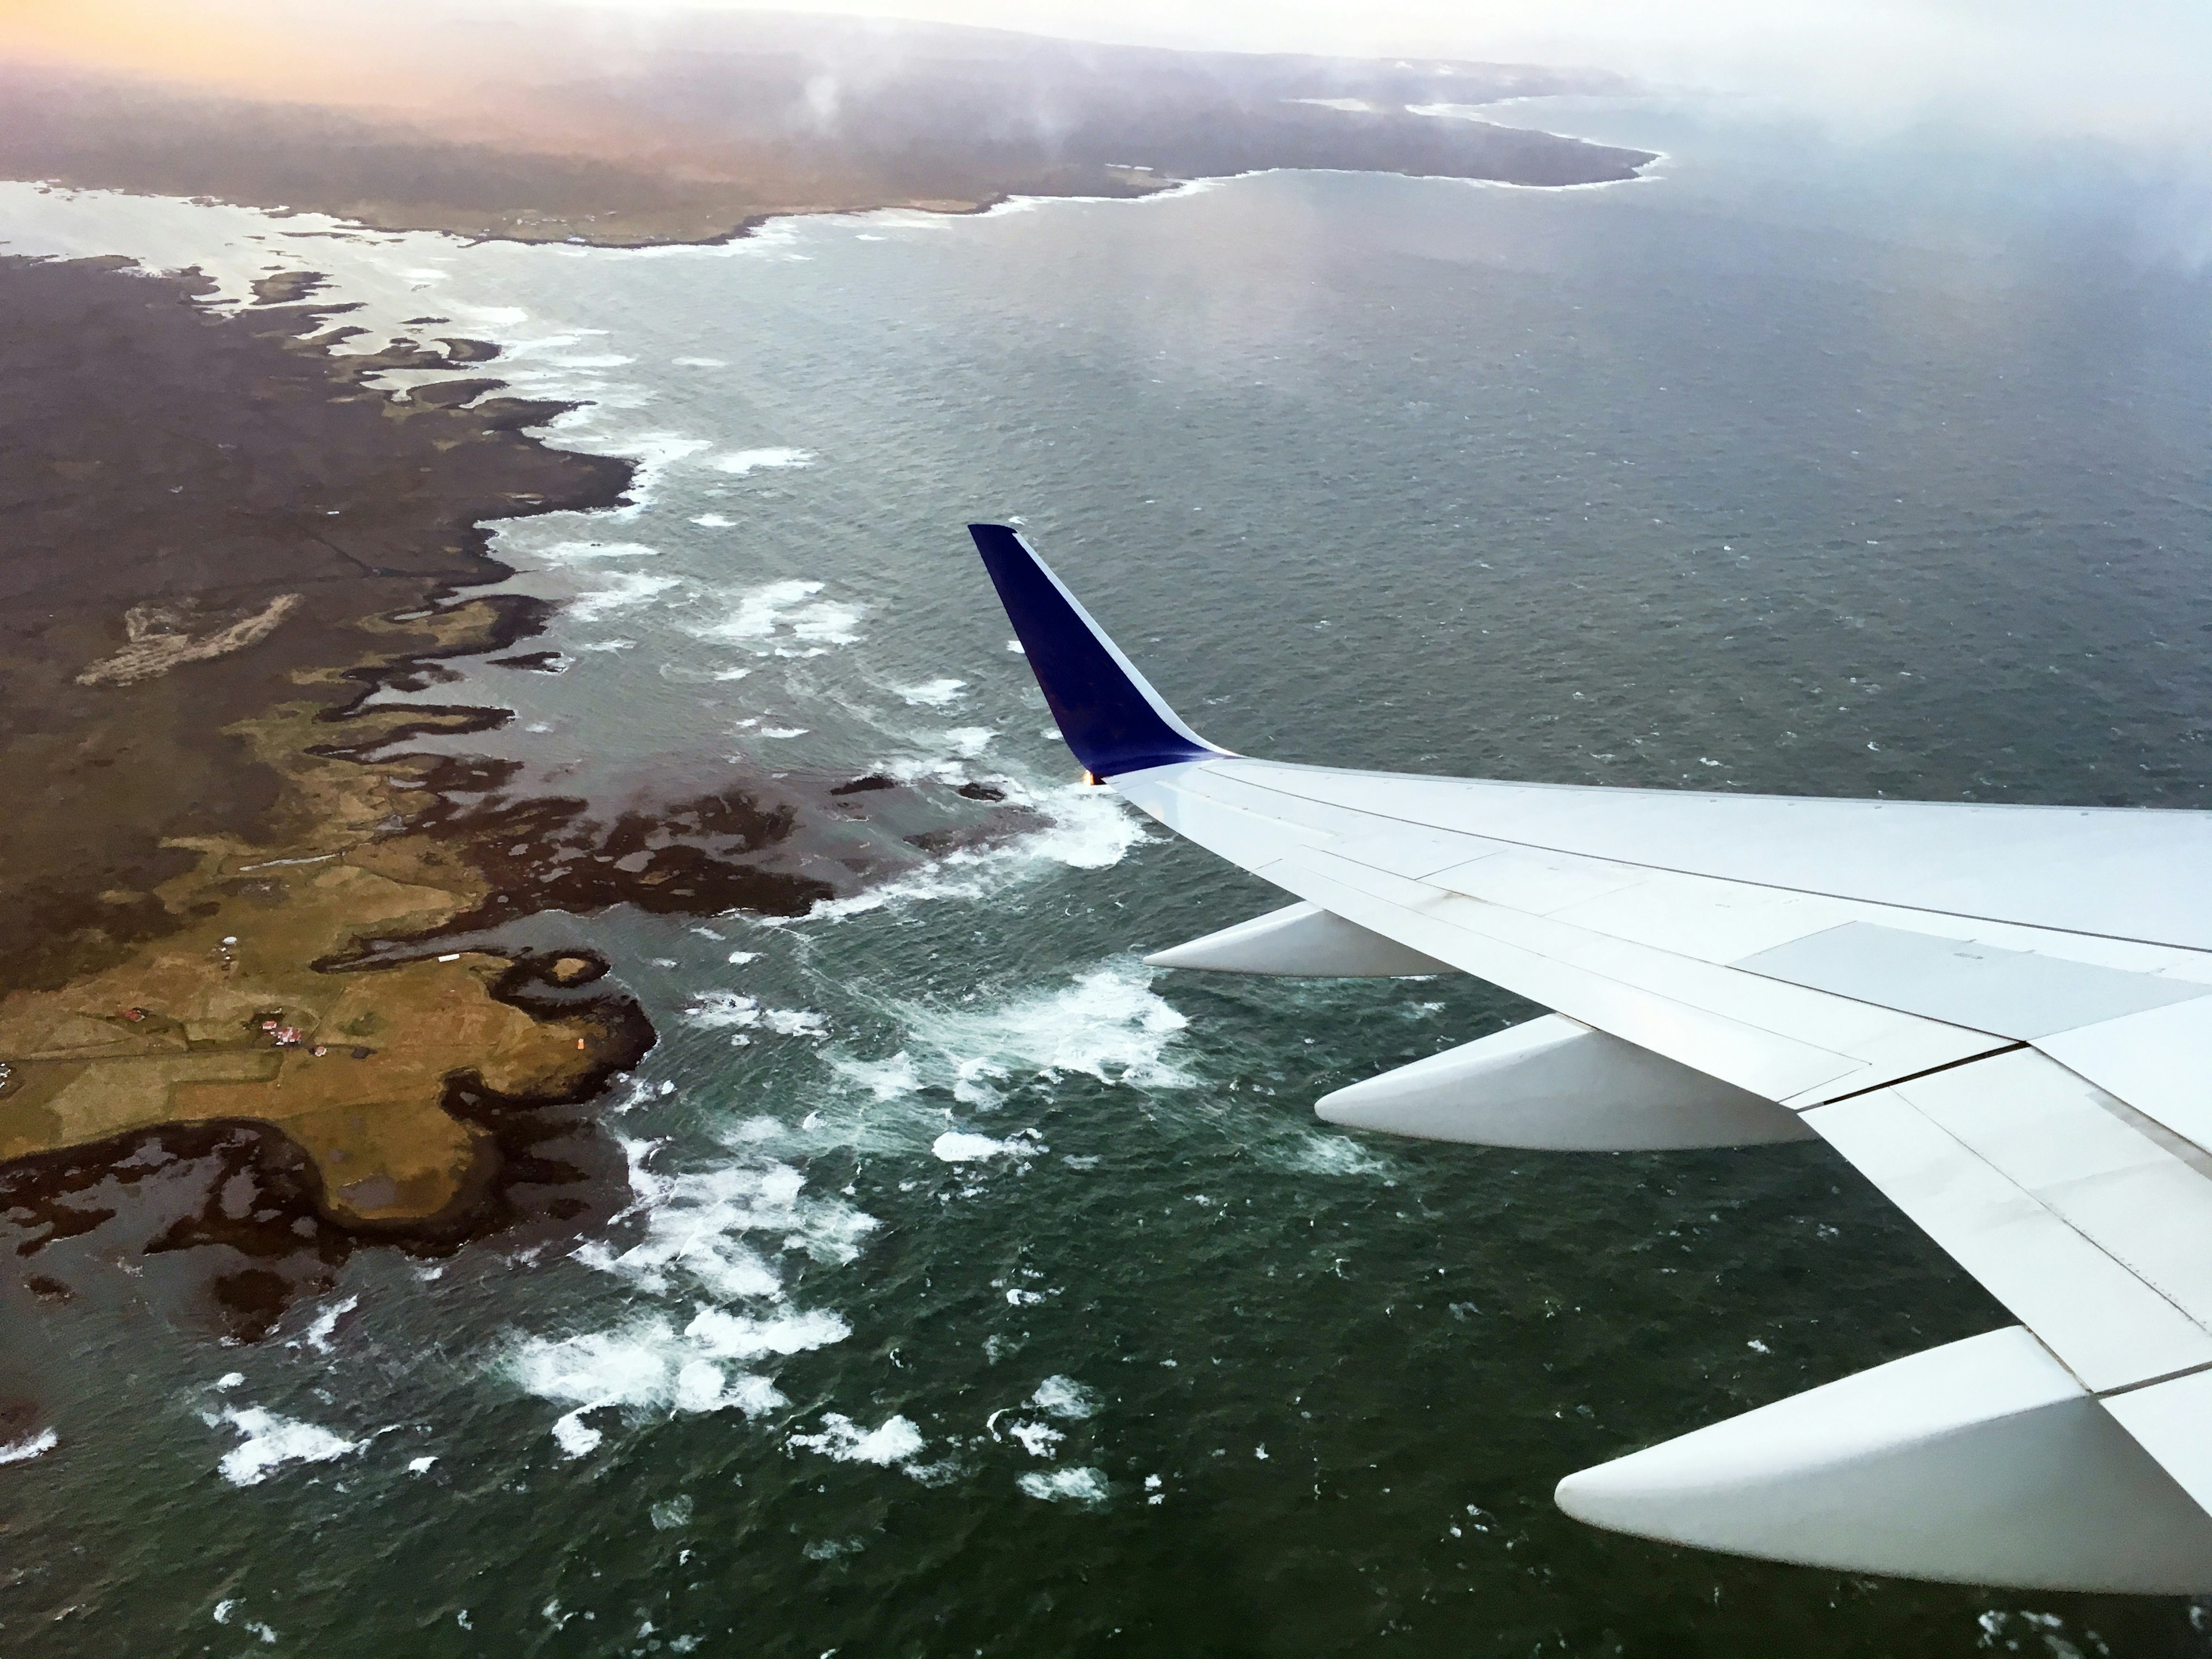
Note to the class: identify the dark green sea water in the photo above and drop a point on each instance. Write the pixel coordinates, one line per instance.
(1798, 468)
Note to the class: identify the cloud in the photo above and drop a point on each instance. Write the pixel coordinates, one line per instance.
(2130, 74)
(2057, 67)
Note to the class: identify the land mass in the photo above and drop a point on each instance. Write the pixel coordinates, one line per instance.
(701, 126)
(250, 988)
(245, 927)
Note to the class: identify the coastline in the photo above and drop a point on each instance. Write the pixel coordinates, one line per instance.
(227, 884)
(681, 177)
(248, 920)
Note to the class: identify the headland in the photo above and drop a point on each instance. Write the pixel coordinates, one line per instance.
(695, 126)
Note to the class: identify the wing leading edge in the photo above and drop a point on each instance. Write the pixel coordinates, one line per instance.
(1999, 1015)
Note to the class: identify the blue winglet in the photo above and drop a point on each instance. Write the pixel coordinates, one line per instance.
(1110, 717)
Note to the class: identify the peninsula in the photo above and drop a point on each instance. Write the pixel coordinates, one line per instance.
(696, 126)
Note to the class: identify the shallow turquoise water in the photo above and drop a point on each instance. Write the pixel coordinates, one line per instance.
(1771, 474)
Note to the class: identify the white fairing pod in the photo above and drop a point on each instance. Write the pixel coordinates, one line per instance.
(1983, 1462)
(1301, 941)
(1556, 1084)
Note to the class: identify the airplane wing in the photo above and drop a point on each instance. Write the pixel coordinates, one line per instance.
(2001, 1015)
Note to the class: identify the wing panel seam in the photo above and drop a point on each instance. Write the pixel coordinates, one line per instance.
(1740, 881)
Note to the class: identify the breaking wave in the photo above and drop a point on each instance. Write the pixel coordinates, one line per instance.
(621, 592)
(1074, 1486)
(712, 1237)
(1109, 1024)
(741, 462)
(1087, 829)
(270, 1441)
(785, 618)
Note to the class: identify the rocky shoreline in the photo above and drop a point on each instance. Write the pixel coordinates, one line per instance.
(228, 879)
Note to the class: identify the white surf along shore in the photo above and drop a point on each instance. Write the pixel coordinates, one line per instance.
(685, 1308)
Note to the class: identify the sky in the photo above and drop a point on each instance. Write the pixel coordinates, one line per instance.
(2131, 70)
(2118, 67)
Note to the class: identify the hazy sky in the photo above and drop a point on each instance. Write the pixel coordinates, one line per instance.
(2121, 69)
(2116, 66)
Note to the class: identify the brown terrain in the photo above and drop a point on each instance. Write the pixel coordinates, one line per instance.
(214, 861)
(245, 1001)
(698, 125)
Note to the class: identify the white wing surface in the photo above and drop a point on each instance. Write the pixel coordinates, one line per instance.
(1999, 1015)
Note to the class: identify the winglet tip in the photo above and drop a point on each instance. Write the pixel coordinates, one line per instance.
(1108, 714)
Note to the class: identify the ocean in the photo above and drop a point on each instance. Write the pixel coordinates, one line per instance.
(981, 1291)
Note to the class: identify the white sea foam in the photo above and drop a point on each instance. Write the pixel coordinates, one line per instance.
(490, 319)
(698, 1226)
(1076, 1486)
(744, 461)
(644, 1366)
(796, 1021)
(954, 1147)
(884, 1079)
(1065, 1397)
(932, 694)
(1089, 829)
(318, 1334)
(709, 1235)
(893, 1441)
(260, 1630)
(655, 453)
(728, 1011)
(699, 362)
(714, 521)
(272, 1441)
(575, 1436)
(1109, 1024)
(30, 1446)
(1037, 1439)
(969, 742)
(723, 1335)
(1317, 1153)
(624, 590)
(722, 1011)
(786, 618)
(582, 552)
